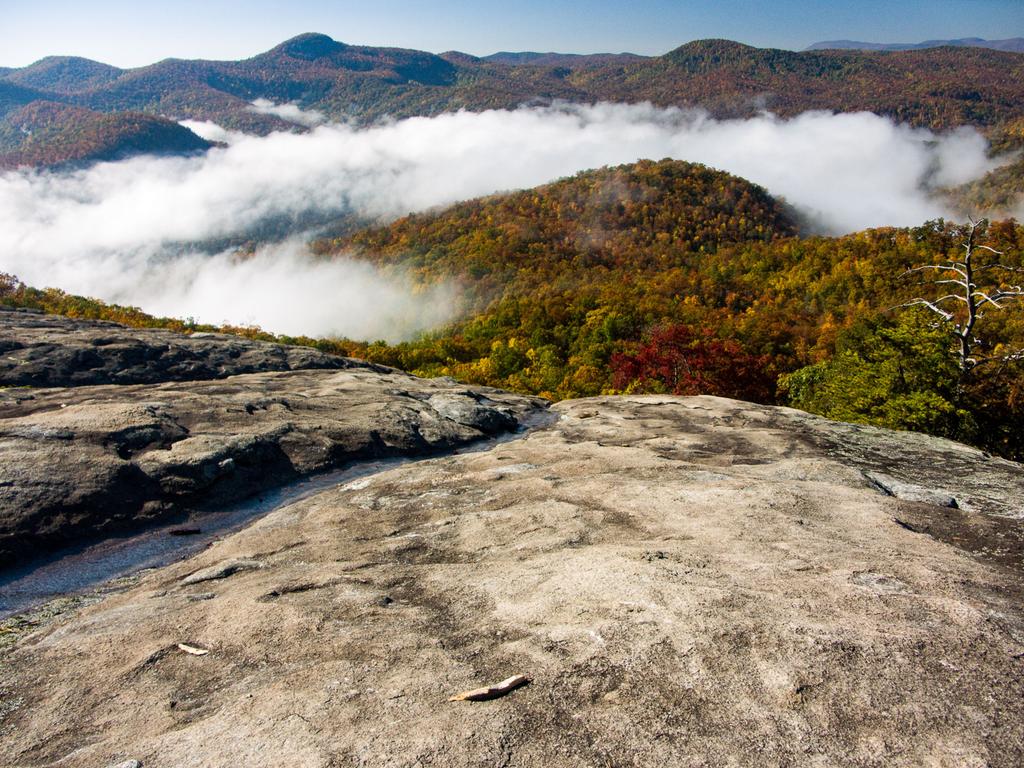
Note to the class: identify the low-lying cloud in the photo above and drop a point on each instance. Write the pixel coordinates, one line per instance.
(111, 230)
(290, 113)
(281, 287)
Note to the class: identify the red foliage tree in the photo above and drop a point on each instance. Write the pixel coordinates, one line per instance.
(682, 360)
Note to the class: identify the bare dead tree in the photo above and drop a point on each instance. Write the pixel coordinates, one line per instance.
(967, 300)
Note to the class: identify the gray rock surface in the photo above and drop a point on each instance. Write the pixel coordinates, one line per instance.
(221, 571)
(38, 350)
(686, 581)
(84, 461)
(912, 491)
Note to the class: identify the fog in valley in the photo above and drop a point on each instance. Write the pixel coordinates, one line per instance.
(116, 230)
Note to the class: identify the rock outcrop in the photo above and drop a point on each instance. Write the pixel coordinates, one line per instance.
(685, 581)
(85, 461)
(39, 350)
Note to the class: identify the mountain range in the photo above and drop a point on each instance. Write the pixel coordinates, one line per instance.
(1015, 44)
(935, 87)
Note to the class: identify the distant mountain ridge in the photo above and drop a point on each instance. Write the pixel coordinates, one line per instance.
(553, 59)
(1013, 44)
(938, 88)
(64, 74)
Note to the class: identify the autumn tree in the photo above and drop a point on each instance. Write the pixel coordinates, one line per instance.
(9, 285)
(888, 371)
(972, 286)
(681, 360)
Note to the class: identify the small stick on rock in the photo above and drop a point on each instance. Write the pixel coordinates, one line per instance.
(193, 650)
(495, 691)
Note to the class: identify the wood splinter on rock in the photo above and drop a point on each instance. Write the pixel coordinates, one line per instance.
(495, 691)
(192, 649)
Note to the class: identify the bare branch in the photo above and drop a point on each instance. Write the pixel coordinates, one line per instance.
(1004, 267)
(1008, 357)
(951, 267)
(948, 296)
(990, 250)
(933, 307)
(984, 298)
(999, 295)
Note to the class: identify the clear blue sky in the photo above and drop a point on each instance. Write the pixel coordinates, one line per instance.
(136, 32)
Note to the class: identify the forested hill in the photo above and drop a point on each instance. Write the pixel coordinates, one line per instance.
(632, 217)
(937, 88)
(64, 74)
(49, 134)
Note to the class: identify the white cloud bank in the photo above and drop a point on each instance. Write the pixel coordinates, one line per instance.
(282, 288)
(109, 231)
